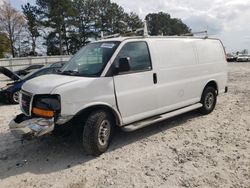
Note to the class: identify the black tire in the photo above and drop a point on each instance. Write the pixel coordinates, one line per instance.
(208, 100)
(14, 98)
(97, 132)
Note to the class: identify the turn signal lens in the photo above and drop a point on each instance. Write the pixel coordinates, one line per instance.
(43, 113)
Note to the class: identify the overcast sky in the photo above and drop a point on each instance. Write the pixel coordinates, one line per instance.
(228, 20)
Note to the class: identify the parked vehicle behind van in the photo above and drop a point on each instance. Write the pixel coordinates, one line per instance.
(28, 69)
(10, 92)
(242, 58)
(124, 82)
(231, 58)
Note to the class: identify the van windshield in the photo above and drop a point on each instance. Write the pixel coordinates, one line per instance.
(90, 60)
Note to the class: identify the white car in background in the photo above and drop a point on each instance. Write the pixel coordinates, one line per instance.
(242, 58)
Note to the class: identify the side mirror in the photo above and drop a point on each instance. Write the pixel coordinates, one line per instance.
(124, 64)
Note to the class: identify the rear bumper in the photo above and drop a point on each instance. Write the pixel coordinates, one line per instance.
(25, 127)
(226, 89)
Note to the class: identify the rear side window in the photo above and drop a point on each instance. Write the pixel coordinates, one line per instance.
(139, 55)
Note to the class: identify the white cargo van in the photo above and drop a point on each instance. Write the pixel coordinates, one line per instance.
(124, 82)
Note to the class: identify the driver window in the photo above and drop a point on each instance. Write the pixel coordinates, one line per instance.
(139, 56)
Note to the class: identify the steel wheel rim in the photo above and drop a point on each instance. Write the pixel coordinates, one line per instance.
(16, 97)
(104, 132)
(209, 100)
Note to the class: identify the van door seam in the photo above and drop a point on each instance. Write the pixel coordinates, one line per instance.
(116, 101)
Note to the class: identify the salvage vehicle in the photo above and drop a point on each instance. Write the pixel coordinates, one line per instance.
(126, 82)
(9, 73)
(10, 92)
(58, 64)
(242, 58)
(28, 69)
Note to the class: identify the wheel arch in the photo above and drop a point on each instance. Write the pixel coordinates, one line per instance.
(87, 109)
(211, 83)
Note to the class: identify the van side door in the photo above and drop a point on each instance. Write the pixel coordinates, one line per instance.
(178, 74)
(134, 89)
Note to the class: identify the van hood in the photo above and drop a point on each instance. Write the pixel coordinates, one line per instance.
(47, 83)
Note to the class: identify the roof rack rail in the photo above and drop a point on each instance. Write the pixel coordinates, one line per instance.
(144, 31)
(109, 36)
(196, 33)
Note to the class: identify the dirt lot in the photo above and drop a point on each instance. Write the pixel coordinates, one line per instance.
(188, 151)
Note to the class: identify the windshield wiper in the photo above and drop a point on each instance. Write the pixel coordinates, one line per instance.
(76, 73)
(69, 72)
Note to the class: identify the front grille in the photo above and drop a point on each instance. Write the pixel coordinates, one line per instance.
(25, 102)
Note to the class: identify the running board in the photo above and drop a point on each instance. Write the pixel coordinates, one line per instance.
(144, 123)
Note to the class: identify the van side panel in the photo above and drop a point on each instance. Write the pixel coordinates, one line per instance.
(211, 59)
(176, 66)
(181, 75)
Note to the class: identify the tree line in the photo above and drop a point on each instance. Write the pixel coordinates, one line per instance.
(67, 25)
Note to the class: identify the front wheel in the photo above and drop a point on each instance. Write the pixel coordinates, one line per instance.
(97, 132)
(14, 97)
(208, 100)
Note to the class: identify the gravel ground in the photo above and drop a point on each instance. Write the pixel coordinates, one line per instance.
(187, 151)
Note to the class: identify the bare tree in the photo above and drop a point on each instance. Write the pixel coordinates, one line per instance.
(11, 22)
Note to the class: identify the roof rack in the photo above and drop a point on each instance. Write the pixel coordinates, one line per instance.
(196, 33)
(145, 33)
(109, 36)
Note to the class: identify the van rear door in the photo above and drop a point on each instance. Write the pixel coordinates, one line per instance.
(135, 89)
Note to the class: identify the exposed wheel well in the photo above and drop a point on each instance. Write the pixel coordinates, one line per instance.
(212, 84)
(83, 114)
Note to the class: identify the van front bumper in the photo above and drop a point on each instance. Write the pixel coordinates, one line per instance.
(24, 127)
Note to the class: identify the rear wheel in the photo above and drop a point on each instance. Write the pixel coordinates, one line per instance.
(97, 132)
(208, 100)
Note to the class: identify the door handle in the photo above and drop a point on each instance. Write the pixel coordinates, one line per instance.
(155, 78)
